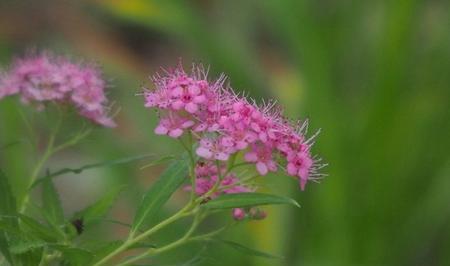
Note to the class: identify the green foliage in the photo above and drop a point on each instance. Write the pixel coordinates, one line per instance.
(239, 200)
(38, 230)
(76, 256)
(160, 192)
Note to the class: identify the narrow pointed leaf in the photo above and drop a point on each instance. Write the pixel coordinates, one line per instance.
(100, 208)
(240, 200)
(247, 250)
(153, 200)
(91, 166)
(52, 208)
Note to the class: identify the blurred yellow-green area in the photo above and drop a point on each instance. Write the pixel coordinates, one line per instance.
(373, 75)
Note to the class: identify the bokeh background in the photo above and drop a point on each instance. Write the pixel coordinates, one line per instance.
(373, 75)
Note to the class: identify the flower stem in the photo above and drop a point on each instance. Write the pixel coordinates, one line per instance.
(152, 252)
(37, 169)
(184, 212)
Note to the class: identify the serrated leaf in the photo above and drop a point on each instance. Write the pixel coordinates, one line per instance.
(52, 208)
(153, 200)
(91, 166)
(39, 230)
(240, 200)
(8, 208)
(247, 250)
(76, 256)
(100, 208)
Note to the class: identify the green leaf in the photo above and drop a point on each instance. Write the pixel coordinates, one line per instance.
(100, 208)
(76, 256)
(25, 245)
(52, 208)
(39, 230)
(247, 250)
(105, 249)
(240, 200)
(169, 181)
(8, 208)
(91, 166)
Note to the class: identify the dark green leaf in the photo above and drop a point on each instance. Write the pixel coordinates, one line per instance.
(247, 250)
(52, 208)
(91, 166)
(169, 181)
(99, 209)
(8, 209)
(240, 200)
(39, 230)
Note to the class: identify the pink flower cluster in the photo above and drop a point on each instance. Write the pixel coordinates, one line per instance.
(43, 78)
(226, 123)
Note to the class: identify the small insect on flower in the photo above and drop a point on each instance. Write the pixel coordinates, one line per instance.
(43, 78)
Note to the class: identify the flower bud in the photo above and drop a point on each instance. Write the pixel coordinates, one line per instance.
(238, 214)
(257, 214)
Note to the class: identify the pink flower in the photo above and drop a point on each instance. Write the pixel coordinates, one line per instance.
(299, 164)
(237, 134)
(262, 156)
(173, 125)
(213, 149)
(225, 123)
(188, 95)
(42, 78)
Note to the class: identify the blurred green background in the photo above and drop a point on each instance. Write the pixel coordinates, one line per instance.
(373, 75)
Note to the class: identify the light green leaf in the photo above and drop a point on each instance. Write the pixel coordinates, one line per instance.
(100, 208)
(39, 230)
(52, 208)
(8, 209)
(76, 256)
(91, 166)
(247, 250)
(240, 200)
(169, 181)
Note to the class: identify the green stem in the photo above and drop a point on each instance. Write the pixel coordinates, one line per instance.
(186, 211)
(37, 169)
(152, 252)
